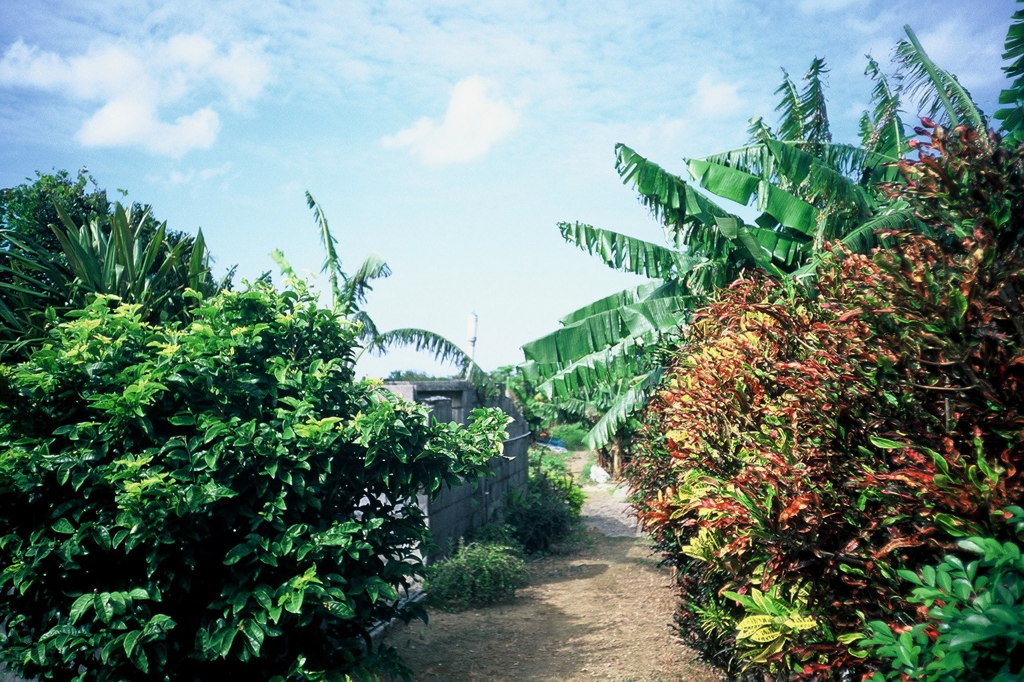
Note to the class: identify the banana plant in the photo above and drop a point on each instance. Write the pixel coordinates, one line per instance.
(1012, 116)
(807, 189)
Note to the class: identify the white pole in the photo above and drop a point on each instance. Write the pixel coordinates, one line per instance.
(471, 327)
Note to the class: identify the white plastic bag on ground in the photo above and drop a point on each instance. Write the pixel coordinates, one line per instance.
(599, 475)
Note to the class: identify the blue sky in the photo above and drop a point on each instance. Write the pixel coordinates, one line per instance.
(449, 137)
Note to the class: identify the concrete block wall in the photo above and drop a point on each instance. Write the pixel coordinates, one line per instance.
(454, 511)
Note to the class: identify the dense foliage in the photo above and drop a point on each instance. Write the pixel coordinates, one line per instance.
(807, 190)
(27, 210)
(807, 446)
(544, 515)
(477, 574)
(213, 498)
(571, 435)
(61, 244)
(975, 609)
(554, 466)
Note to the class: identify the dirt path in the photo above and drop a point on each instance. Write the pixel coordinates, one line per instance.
(599, 613)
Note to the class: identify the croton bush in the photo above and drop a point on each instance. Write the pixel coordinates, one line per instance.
(213, 499)
(808, 446)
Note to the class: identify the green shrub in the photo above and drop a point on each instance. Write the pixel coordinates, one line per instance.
(216, 499)
(496, 533)
(548, 462)
(541, 517)
(476, 575)
(571, 490)
(555, 467)
(573, 435)
(975, 626)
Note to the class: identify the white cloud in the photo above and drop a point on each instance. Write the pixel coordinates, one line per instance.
(147, 93)
(474, 122)
(716, 99)
(126, 122)
(243, 72)
(177, 177)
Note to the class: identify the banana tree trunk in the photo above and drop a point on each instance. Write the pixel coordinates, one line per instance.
(609, 457)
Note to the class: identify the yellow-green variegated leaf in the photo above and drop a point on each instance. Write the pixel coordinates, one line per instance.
(799, 622)
(751, 623)
(770, 650)
(762, 635)
(759, 599)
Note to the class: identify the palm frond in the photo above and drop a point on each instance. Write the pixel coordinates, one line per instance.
(745, 235)
(644, 319)
(850, 160)
(724, 180)
(790, 109)
(332, 261)
(759, 131)
(897, 218)
(822, 175)
(353, 291)
(287, 271)
(438, 347)
(369, 335)
(864, 237)
(884, 130)
(820, 184)
(752, 158)
(1012, 116)
(628, 402)
(803, 114)
(687, 216)
(643, 292)
(626, 253)
(938, 93)
(813, 104)
(601, 368)
(741, 187)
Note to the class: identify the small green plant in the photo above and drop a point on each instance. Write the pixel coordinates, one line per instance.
(476, 575)
(574, 495)
(542, 516)
(496, 533)
(976, 611)
(555, 467)
(770, 622)
(548, 462)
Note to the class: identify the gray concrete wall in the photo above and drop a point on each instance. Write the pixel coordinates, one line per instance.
(455, 511)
